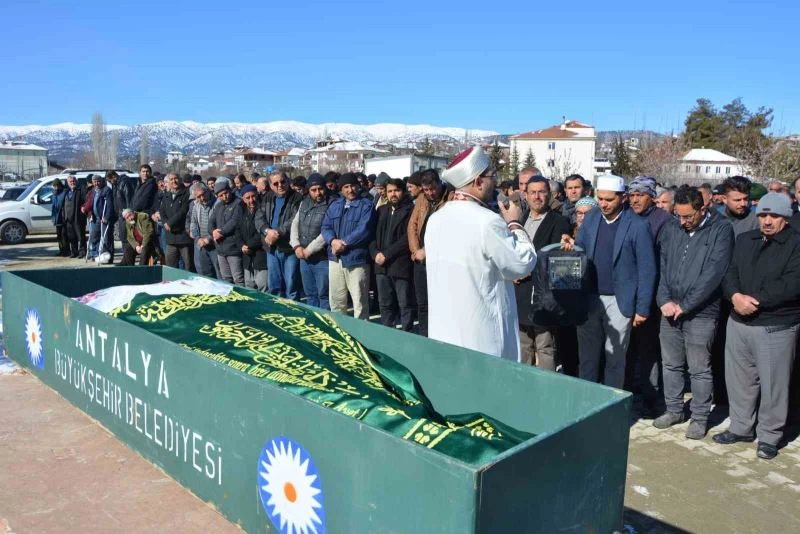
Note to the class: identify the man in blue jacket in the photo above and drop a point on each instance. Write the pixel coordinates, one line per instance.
(348, 229)
(102, 234)
(57, 216)
(619, 246)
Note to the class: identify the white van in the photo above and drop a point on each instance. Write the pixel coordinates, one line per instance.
(31, 212)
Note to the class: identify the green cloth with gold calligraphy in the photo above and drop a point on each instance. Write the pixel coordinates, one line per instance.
(304, 351)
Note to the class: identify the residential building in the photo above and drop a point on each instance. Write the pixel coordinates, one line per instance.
(174, 156)
(341, 156)
(560, 150)
(22, 160)
(403, 165)
(289, 158)
(708, 165)
(602, 165)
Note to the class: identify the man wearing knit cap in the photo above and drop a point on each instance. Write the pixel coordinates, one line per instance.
(347, 228)
(309, 245)
(380, 189)
(222, 225)
(414, 186)
(619, 246)
(473, 255)
(645, 351)
(763, 284)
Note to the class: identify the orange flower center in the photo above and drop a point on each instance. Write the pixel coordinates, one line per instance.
(290, 492)
(33, 337)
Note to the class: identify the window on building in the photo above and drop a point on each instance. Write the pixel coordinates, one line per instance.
(688, 168)
(551, 145)
(727, 170)
(708, 169)
(717, 171)
(551, 163)
(697, 169)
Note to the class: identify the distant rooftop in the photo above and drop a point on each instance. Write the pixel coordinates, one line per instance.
(565, 130)
(708, 154)
(20, 145)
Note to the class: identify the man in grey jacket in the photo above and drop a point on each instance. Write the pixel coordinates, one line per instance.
(205, 259)
(309, 245)
(696, 250)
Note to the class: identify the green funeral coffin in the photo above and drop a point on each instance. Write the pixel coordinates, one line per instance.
(272, 457)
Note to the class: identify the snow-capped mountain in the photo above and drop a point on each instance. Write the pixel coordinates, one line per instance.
(67, 140)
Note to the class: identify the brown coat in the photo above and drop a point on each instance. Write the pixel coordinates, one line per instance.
(420, 215)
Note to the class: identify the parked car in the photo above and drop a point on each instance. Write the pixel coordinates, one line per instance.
(12, 193)
(30, 212)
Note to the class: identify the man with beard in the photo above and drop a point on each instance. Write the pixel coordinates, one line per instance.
(173, 213)
(254, 261)
(472, 255)
(737, 204)
(695, 252)
(74, 218)
(763, 284)
(308, 243)
(435, 194)
(389, 251)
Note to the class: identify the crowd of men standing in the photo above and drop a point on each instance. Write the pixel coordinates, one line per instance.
(699, 280)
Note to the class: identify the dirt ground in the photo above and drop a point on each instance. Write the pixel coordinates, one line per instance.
(61, 472)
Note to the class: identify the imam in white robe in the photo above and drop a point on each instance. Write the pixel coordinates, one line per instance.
(472, 259)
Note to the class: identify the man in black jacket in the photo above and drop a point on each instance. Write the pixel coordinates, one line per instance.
(222, 225)
(122, 191)
(173, 214)
(389, 250)
(544, 227)
(253, 257)
(763, 284)
(274, 220)
(696, 249)
(74, 218)
(309, 245)
(144, 196)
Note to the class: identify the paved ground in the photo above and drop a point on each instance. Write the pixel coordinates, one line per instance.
(85, 480)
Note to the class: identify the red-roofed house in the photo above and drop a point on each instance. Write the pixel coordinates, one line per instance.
(560, 150)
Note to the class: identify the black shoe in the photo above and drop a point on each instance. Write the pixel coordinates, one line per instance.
(766, 451)
(73, 255)
(729, 438)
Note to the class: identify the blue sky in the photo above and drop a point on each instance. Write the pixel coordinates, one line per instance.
(507, 66)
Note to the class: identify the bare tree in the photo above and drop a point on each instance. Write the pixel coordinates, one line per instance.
(113, 150)
(99, 133)
(144, 147)
(661, 159)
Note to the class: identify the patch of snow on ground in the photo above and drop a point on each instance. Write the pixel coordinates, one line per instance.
(641, 490)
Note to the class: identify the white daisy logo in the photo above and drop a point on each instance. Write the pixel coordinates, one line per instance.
(289, 486)
(33, 338)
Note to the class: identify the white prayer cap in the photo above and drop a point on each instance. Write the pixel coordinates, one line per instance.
(610, 182)
(466, 166)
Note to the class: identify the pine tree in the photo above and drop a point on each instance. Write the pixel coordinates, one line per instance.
(530, 159)
(513, 166)
(496, 156)
(427, 148)
(623, 166)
